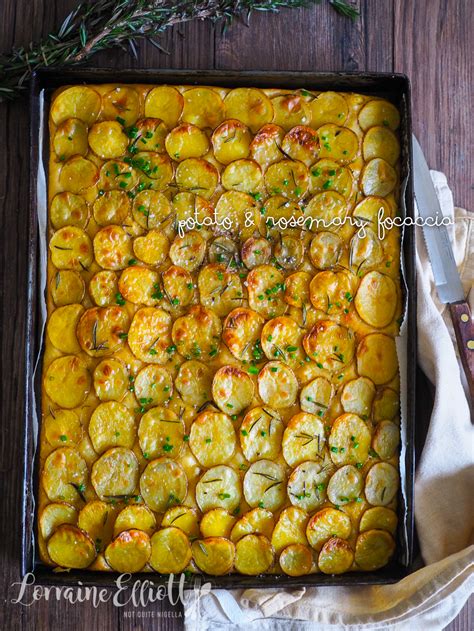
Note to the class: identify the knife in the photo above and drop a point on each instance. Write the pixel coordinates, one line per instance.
(445, 272)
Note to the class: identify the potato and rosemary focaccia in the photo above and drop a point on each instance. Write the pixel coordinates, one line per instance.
(220, 377)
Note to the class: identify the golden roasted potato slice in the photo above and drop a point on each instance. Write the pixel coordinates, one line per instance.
(197, 175)
(365, 251)
(170, 551)
(256, 521)
(379, 112)
(296, 560)
(129, 552)
(327, 523)
(139, 285)
(374, 549)
(160, 433)
(289, 252)
(349, 440)
(265, 147)
(111, 380)
(212, 438)
(112, 424)
(214, 555)
(153, 248)
(184, 518)
(153, 385)
(379, 518)
(67, 381)
(265, 485)
(61, 328)
(62, 428)
(97, 520)
(79, 102)
(70, 139)
(290, 110)
(122, 104)
(243, 175)
(235, 208)
(338, 143)
(331, 292)
(378, 178)
(277, 385)
(250, 106)
(307, 485)
(64, 475)
(71, 248)
(113, 248)
(376, 299)
(260, 434)
(289, 529)
(197, 334)
(178, 285)
(111, 208)
(231, 141)
(386, 439)
(163, 484)
(166, 103)
(345, 485)
(117, 175)
(266, 286)
(330, 345)
(357, 396)
(219, 289)
(100, 330)
(336, 556)
(316, 395)
(297, 289)
(217, 523)
(191, 210)
(203, 107)
(370, 211)
(381, 484)
(256, 251)
(78, 174)
(301, 143)
(66, 287)
(381, 142)
(232, 390)
(186, 141)
(103, 288)
(107, 140)
(327, 175)
(54, 515)
(115, 474)
(188, 251)
(386, 404)
(219, 487)
(326, 210)
(281, 214)
(281, 339)
(241, 333)
(156, 169)
(289, 178)
(194, 382)
(135, 517)
(149, 336)
(70, 547)
(253, 555)
(151, 134)
(377, 358)
(328, 107)
(303, 439)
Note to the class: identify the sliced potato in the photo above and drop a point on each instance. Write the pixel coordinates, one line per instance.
(256, 251)
(365, 251)
(265, 485)
(250, 106)
(289, 529)
(374, 549)
(233, 210)
(381, 484)
(232, 389)
(349, 440)
(326, 249)
(290, 110)
(139, 285)
(289, 178)
(78, 174)
(112, 424)
(70, 139)
(256, 521)
(281, 215)
(316, 395)
(253, 555)
(303, 439)
(61, 328)
(151, 134)
(241, 332)
(377, 358)
(297, 289)
(231, 141)
(289, 252)
(327, 175)
(152, 248)
(223, 250)
(156, 169)
(379, 112)
(266, 286)
(301, 143)
(219, 487)
(62, 428)
(103, 288)
(64, 475)
(71, 248)
(197, 334)
(97, 519)
(217, 523)
(370, 212)
(357, 396)
(260, 434)
(336, 556)
(130, 551)
(379, 518)
(107, 140)
(115, 474)
(161, 433)
(117, 175)
(386, 404)
(277, 385)
(325, 524)
(203, 107)
(79, 102)
(54, 515)
(328, 107)
(376, 299)
(331, 292)
(330, 345)
(345, 485)
(265, 147)
(196, 175)
(70, 547)
(178, 285)
(242, 175)
(296, 560)
(307, 485)
(378, 178)
(386, 439)
(67, 381)
(100, 330)
(111, 380)
(149, 336)
(170, 551)
(281, 338)
(212, 438)
(184, 518)
(151, 209)
(186, 141)
(338, 143)
(111, 208)
(214, 555)
(219, 289)
(66, 287)
(188, 251)
(166, 103)
(381, 142)
(194, 382)
(113, 248)
(326, 210)
(135, 517)
(121, 103)
(153, 385)
(163, 484)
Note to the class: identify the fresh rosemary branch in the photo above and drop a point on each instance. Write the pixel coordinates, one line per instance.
(96, 25)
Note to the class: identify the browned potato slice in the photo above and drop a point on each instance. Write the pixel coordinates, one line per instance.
(289, 252)
(97, 520)
(54, 515)
(266, 286)
(156, 169)
(152, 248)
(163, 484)
(100, 330)
(280, 215)
(265, 485)
(256, 521)
(129, 552)
(219, 289)
(164, 102)
(66, 287)
(64, 475)
(214, 556)
(153, 385)
(111, 208)
(338, 143)
(301, 143)
(370, 210)
(386, 404)
(192, 210)
(379, 112)
(112, 424)
(321, 341)
(336, 556)
(62, 428)
(149, 336)
(328, 107)
(256, 251)
(303, 439)
(194, 382)
(115, 474)
(327, 523)
(345, 485)
(380, 518)
(113, 248)
(184, 518)
(67, 381)
(241, 333)
(331, 292)
(197, 334)
(289, 178)
(290, 529)
(61, 328)
(188, 251)
(277, 385)
(203, 107)
(378, 178)
(265, 147)
(260, 434)
(107, 140)
(232, 389)
(374, 549)
(253, 555)
(249, 105)
(327, 175)
(77, 174)
(212, 438)
(117, 175)
(178, 285)
(170, 551)
(103, 288)
(122, 103)
(70, 139)
(71, 547)
(297, 289)
(281, 339)
(381, 484)
(219, 487)
(79, 102)
(139, 285)
(135, 517)
(307, 485)
(357, 397)
(110, 380)
(160, 433)
(71, 248)
(377, 358)
(296, 560)
(235, 207)
(349, 440)
(290, 110)
(151, 134)
(316, 395)
(376, 299)
(381, 142)
(186, 141)
(365, 251)
(243, 175)
(196, 175)
(326, 210)
(217, 523)
(231, 141)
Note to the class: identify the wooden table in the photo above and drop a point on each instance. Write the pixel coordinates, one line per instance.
(429, 40)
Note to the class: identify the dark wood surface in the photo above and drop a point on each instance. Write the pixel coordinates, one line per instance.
(429, 40)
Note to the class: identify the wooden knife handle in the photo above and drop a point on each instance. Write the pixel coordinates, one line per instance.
(464, 329)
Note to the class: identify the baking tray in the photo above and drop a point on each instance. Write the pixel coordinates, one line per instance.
(394, 87)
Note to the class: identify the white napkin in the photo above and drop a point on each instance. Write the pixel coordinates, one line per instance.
(431, 597)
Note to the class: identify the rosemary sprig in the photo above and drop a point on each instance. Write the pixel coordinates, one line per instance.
(96, 25)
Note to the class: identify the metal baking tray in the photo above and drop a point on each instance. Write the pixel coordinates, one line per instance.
(395, 88)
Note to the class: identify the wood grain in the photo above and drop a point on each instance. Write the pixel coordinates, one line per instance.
(427, 39)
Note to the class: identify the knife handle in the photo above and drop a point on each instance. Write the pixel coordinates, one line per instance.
(464, 330)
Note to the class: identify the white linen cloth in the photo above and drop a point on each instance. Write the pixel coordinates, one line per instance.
(431, 597)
